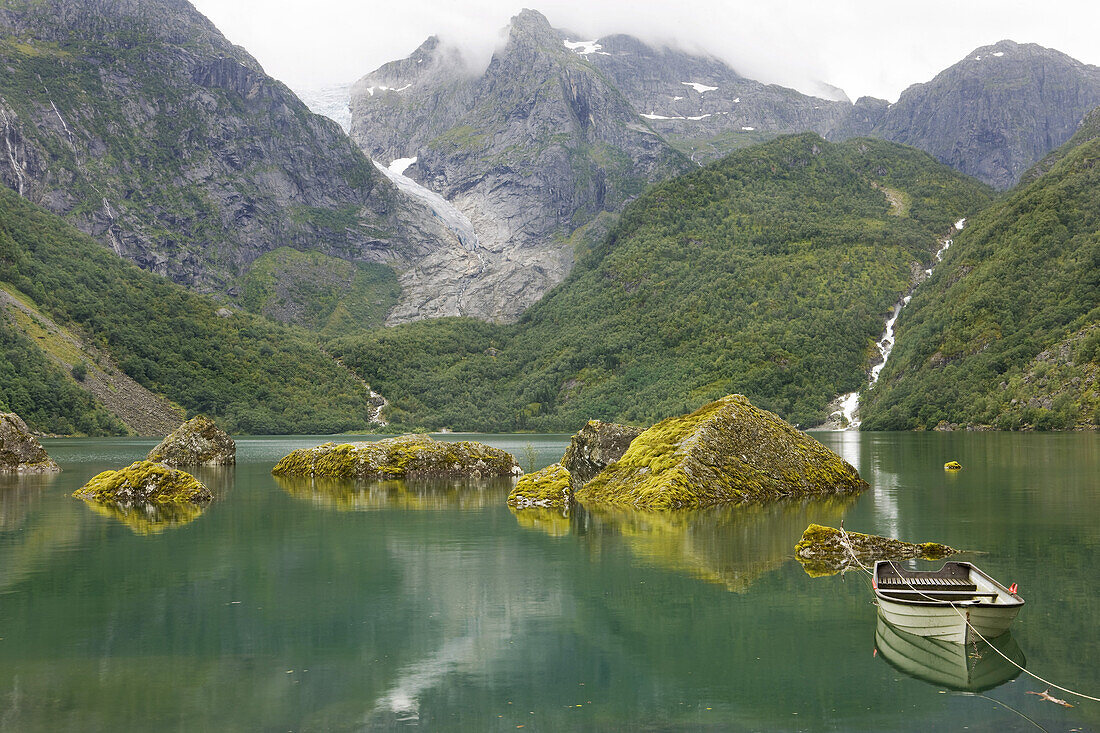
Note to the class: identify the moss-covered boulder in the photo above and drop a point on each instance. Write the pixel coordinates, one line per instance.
(409, 456)
(549, 487)
(144, 481)
(597, 445)
(952, 466)
(198, 442)
(824, 550)
(20, 452)
(725, 452)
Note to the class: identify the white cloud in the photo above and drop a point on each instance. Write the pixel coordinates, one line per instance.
(862, 46)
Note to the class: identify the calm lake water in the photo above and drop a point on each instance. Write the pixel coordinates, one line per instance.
(284, 607)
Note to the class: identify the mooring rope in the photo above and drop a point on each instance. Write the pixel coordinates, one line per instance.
(848, 546)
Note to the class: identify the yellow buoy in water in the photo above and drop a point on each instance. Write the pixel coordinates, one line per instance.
(952, 466)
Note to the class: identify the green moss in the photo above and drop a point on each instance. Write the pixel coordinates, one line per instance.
(952, 466)
(408, 456)
(144, 481)
(462, 137)
(546, 488)
(825, 551)
(726, 451)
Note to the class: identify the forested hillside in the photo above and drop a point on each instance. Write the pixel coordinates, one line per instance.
(1007, 333)
(254, 376)
(767, 273)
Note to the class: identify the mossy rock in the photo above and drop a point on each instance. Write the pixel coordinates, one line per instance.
(197, 442)
(144, 481)
(145, 518)
(549, 487)
(727, 451)
(822, 550)
(408, 456)
(20, 452)
(952, 466)
(596, 446)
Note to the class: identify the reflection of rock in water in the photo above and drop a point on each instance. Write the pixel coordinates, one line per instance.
(357, 495)
(730, 546)
(554, 522)
(18, 493)
(148, 518)
(971, 667)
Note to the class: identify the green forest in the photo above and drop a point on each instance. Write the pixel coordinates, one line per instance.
(252, 375)
(767, 273)
(1007, 332)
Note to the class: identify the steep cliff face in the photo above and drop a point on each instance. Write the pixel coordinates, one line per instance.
(532, 150)
(996, 112)
(142, 125)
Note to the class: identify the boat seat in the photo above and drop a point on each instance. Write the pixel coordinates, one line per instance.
(926, 584)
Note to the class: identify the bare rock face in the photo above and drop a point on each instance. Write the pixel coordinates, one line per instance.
(825, 550)
(144, 482)
(597, 445)
(20, 452)
(725, 452)
(198, 442)
(546, 488)
(408, 456)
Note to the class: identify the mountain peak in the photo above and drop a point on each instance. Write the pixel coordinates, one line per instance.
(531, 25)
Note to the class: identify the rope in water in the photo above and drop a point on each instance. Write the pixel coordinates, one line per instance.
(848, 546)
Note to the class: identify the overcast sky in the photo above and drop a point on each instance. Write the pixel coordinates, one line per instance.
(870, 47)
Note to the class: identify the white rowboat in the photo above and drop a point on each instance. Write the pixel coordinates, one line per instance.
(949, 604)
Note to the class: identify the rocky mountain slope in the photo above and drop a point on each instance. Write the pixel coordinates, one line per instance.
(768, 273)
(532, 151)
(89, 343)
(1006, 334)
(143, 126)
(991, 115)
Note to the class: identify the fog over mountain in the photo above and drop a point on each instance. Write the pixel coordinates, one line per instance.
(862, 47)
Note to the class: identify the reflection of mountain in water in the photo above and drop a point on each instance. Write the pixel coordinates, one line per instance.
(969, 667)
(349, 495)
(730, 546)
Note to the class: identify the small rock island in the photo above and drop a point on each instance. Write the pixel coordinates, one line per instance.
(197, 442)
(20, 452)
(825, 550)
(407, 456)
(145, 482)
(725, 452)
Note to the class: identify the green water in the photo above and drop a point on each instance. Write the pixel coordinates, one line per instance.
(362, 608)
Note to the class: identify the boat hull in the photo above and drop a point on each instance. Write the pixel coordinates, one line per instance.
(948, 622)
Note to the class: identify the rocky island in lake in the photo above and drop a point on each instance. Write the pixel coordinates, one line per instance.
(145, 481)
(407, 456)
(828, 551)
(197, 442)
(20, 452)
(727, 451)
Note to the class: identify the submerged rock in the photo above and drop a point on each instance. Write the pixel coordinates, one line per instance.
(549, 487)
(408, 456)
(725, 452)
(596, 446)
(20, 452)
(144, 481)
(197, 442)
(823, 551)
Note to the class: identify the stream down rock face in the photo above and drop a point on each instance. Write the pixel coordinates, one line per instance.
(822, 550)
(549, 487)
(198, 442)
(20, 452)
(597, 445)
(408, 456)
(144, 481)
(725, 452)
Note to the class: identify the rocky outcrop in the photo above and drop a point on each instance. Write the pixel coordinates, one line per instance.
(595, 446)
(20, 452)
(198, 442)
(827, 551)
(993, 114)
(531, 150)
(143, 126)
(725, 452)
(408, 456)
(144, 482)
(549, 487)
